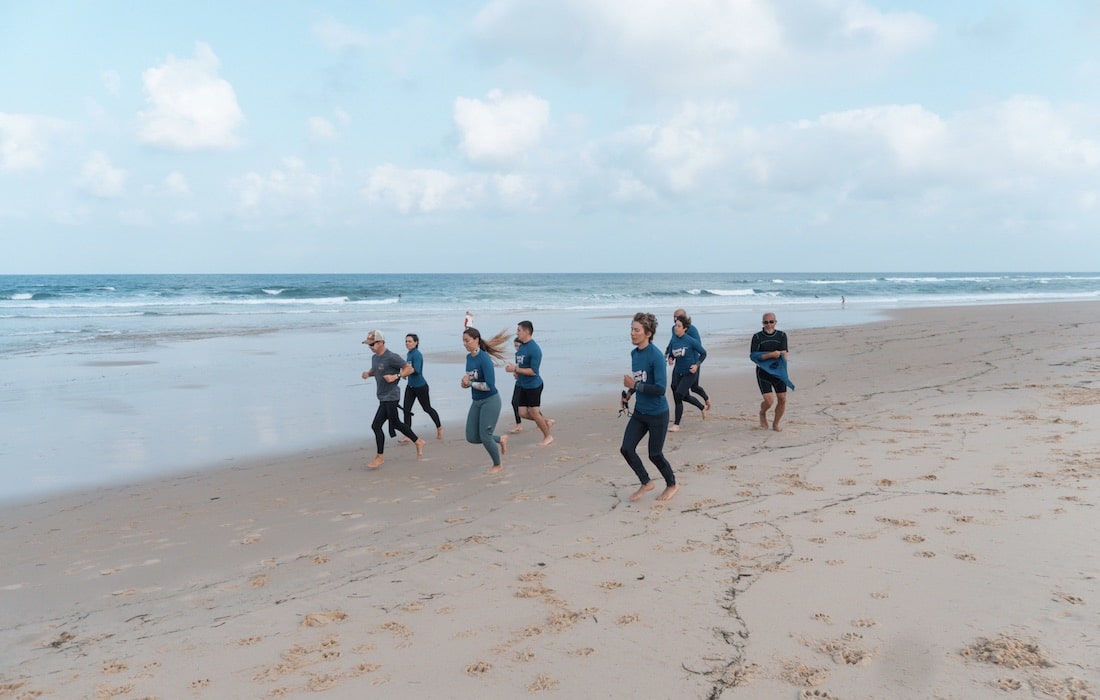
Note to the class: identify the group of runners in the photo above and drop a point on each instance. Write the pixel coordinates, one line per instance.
(647, 383)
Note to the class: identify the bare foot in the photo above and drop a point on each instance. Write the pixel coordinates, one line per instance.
(517, 429)
(503, 444)
(495, 469)
(420, 447)
(674, 428)
(377, 462)
(637, 495)
(706, 410)
(776, 428)
(669, 492)
(764, 420)
(546, 441)
(549, 423)
(439, 433)
(708, 406)
(404, 440)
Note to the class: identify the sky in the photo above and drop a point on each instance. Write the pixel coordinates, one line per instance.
(570, 136)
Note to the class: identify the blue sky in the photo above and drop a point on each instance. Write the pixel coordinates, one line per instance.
(576, 135)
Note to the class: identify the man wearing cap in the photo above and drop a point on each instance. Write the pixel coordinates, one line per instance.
(387, 368)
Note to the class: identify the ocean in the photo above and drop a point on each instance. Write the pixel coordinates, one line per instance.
(116, 378)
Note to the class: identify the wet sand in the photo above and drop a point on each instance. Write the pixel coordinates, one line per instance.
(923, 527)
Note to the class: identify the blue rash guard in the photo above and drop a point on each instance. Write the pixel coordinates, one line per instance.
(529, 356)
(414, 358)
(479, 368)
(650, 380)
(687, 351)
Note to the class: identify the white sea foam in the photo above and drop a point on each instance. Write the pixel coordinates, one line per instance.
(732, 292)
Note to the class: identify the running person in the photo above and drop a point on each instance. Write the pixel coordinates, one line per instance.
(693, 331)
(416, 388)
(528, 382)
(515, 398)
(387, 368)
(480, 378)
(685, 354)
(773, 343)
(647, 380)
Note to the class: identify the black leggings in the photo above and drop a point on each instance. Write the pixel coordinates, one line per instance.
(681, 392)
(515, 404)
(387, 411)
(696, 388)
(636, 428)
(419, 393)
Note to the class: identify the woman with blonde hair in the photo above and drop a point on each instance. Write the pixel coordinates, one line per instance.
(480, 378)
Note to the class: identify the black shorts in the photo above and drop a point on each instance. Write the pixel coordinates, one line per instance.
(531, 398)
(768, 382)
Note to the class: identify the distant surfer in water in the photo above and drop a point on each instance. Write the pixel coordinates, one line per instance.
(769, 351)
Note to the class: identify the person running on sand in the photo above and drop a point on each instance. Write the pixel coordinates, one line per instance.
(515, 398)
(685, 354)
(480, 378)
(528, 381)
(387, 368)
(647, 381)
(693, 331)
(773, 343)
(416, 388)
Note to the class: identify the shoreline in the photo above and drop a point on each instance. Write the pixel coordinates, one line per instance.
(921, 528)
(442, 367)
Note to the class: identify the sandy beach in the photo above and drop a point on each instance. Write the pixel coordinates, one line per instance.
(923, 527)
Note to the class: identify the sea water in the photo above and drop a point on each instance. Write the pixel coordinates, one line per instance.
(117, 378)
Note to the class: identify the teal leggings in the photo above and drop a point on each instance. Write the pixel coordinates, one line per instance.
(480, 423)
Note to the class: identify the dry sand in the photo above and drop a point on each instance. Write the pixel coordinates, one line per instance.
(924, 527)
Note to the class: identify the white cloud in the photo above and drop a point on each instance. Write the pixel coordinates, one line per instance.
(321, 129)
(430, 191)
(336, 36)
(422, 191)
(684, 47)
(282, 191)
(136, 218)
(100, 178)
(324, 130)
(112, 82)
(176, 184)
(501, 129)
(25, 140)
(190, 107)
(903, 153)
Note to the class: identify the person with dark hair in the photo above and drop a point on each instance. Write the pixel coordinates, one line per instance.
(387, 368)
(647, 381)
(416, 388)
(480, 378)
(515, 397)
(685, 354)
(528, 382)
(693, 331)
